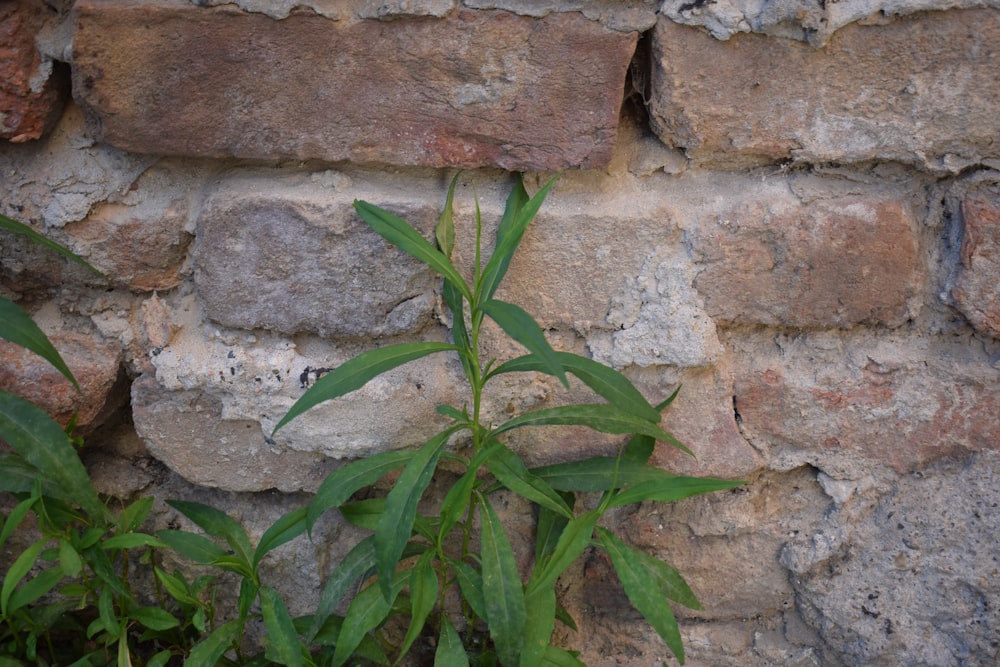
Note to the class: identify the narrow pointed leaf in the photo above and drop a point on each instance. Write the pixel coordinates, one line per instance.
(209, 650)
(549, 527)
(367, 611)
(132, 516)
(192, 546)
(510, 471)
(34, 588)
(557, 657)
(42, 443)
(470, 581)
(670, 490)
(396, 524)
(600, 417)
(404, 236)
(600, 473)
(217, 524)
(520, 326)
(354, 374)
(132, 541)
(503, 592)
(457, 501)
(423, 596)
(573, 540)
(541, 621)
(450, 651)
(154, 618)
(518, 215)
(26, 231)
(344, 482)
(284, 640)
(357, 562)
(602, 380)
(18, 327)
(668, 580)
(444, 232)
(643, 591)
(282, 531)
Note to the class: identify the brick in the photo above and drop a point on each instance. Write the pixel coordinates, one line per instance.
(830, 263)
(905, 91)
(94, 363)
(902, 404)
(473, 89)
(298, 258)
(32, 90)
(977, 286)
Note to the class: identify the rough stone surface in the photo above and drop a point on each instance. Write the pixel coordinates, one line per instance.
(799, 19)
(293, 256)
(831, 263)
(901, 91)
(977, 289)
(916, 581)
(93, 362)
(843, 404)
(455, 94)
(32, 88)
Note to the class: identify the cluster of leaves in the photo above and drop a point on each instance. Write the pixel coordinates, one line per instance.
(67, 598)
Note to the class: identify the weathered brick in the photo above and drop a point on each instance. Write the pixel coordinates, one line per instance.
(292, 256)
(32, 90)
(977, 286)
(918, 90)
(94, 363)
(902, 403)
(475, 88)
(830, 263)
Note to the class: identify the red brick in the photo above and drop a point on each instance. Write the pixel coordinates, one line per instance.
(920, 90)
(831, 263)
(94, 363)
(977, 286)
(30, 102)
(475, 88)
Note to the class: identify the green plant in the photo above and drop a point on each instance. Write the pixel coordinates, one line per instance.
(67, 598)
(415, 557)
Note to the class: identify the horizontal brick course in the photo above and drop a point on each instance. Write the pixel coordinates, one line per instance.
(921, 91)
(476, 88)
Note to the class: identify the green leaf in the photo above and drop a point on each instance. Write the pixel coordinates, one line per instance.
(510, 471)
(444, 232)
(519, 213)
(401, 234)
(668, 580)
(106, 611)
(18, 327)
(34, 588)
(217, 524)
(669, 490)
(42, 442)
(69, 559)
(599, 416)
(132, 516)
(175, 586)
(131, 541)
(344, 482)
(160, 659)
(364, 513)
(192, 546)
(209, 650)
(154, 618)
(352, 567)
(602, 380)
(541, 621)
(557, 657)
(641, 447)
(573, 540)
(549, 527)
(396, 523)
(470, 581)
(450, 651)
(15, 517)
(456, 501)
(282, 531)
(280, 629)
(17, 571)
(368, 610)
(600, 473)
(26, 231)
(523, 328)
(503, 593)
(355, 373)
(643, 591)
(423, 596)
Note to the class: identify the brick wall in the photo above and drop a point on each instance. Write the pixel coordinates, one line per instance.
(793, 211)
